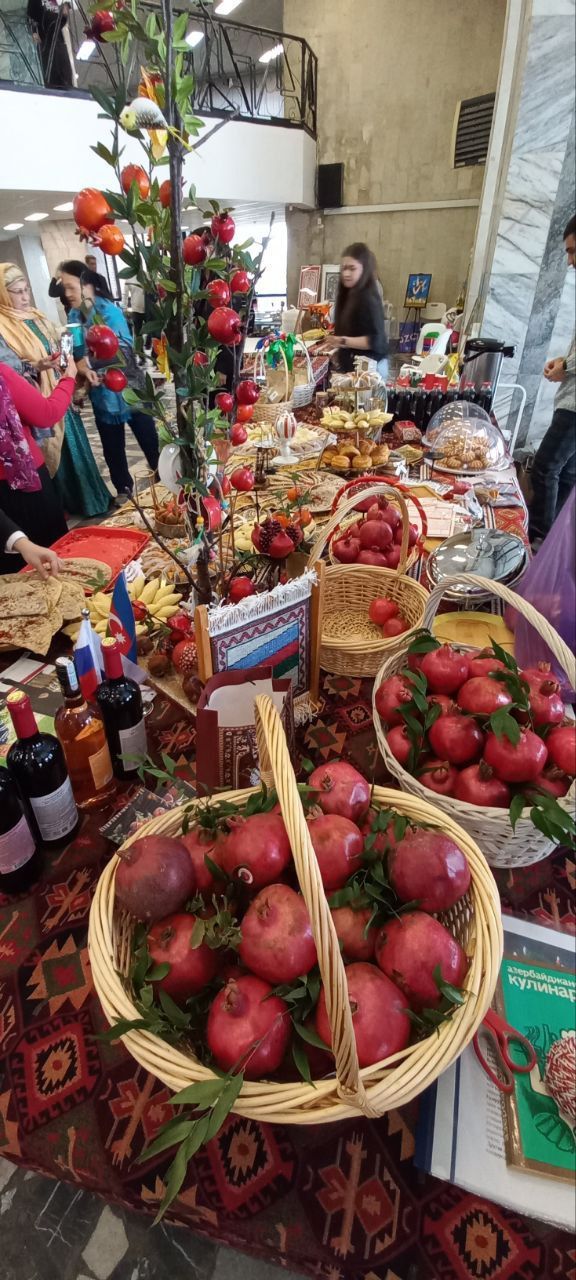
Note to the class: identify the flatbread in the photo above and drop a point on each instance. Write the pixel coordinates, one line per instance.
(89, 573)
(27, 633)
(72, 600)
(20, 599)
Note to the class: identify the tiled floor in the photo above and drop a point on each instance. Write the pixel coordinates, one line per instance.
(55, 1231)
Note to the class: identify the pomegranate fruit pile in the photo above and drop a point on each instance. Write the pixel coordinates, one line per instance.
(224, 956)
(374, 537)
(475, 727)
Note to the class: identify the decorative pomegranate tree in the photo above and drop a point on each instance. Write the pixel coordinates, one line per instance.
(193, 317)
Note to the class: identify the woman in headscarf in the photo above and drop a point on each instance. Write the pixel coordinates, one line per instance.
(31, 514)
(92, 304)
(29, 343)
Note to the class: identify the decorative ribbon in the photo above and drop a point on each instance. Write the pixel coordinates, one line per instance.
(279, 345)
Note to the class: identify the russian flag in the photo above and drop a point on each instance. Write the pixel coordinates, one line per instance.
(88, 659)
(122, 626)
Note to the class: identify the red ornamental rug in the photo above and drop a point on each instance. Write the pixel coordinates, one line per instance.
(341, 1201)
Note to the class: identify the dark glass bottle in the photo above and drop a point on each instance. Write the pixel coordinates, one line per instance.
(80, 729)
(120, 702)
(20, 857)
(36, 762)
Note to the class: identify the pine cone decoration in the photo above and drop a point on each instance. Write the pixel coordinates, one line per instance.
(268, 530)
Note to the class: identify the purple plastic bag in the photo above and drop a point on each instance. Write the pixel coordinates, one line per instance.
(550, 585)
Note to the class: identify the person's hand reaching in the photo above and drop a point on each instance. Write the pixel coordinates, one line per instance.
(554, 370)
(71, 370)
(42, 559)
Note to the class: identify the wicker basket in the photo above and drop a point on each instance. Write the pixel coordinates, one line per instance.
(295, 397)
(395, 498)
(350, 644)
(475, 921)
(502, 846)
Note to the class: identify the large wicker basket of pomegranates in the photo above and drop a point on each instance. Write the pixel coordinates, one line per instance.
(297, 953)
(491, 745)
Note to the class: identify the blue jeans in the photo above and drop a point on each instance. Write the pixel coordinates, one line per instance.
(113, 439)
(554, 472)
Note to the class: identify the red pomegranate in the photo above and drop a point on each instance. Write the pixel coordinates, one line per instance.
(439, 776)
(111, 239)
(429, 868)
(456, 739)
(194, 251)
(381, 1024)
(546, 705)
(135, 173)
(225, 325)
(240, 588)
(482, 695)
(202, 845)
(238, 434)
(338, 845)
(240, 282)
(115, 380)
(356, 938)
(223, 227)
(479, 785)
(91, 209)
(224, 402)
(399, 743)
(341, 789)
(247, 391)
(218, 293)
(257, 849)
(482, 663)
(102, 342)
(561, 743)
(445, 669)
(248, 1028)
(165, 194)
(516, 762)
(411, 947)
(277, 941)
(191, 968)
(393, 693)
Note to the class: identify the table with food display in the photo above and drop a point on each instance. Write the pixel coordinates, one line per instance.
(233, 1001)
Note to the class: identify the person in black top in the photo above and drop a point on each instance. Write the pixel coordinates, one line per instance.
(358, 312)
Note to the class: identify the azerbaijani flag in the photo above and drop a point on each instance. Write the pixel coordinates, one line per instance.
(122, 626)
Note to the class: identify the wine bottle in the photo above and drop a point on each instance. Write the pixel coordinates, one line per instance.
(120, 702)
(20, 858)
(36, 762)
(81, 732)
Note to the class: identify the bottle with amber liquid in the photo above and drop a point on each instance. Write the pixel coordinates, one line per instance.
(120, 702)
(80, 731)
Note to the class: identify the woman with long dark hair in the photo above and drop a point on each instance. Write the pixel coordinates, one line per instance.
(92, 303)
(358, 312)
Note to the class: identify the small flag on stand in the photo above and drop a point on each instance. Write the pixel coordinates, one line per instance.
(122, 626)
(88, 657)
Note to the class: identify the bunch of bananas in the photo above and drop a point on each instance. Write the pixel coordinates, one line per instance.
(343, 420)
(158, 601)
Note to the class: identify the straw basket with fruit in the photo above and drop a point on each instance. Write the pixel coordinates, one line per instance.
(298, 1036)
(492, 746)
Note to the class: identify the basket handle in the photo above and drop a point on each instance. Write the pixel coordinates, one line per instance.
(375, 490)
(259, 367)
(273, 748)
(302, 344)
(548, 634)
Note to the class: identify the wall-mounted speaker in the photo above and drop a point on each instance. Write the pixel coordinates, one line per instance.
(330, 186)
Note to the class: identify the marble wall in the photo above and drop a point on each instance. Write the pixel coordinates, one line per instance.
(530, 296)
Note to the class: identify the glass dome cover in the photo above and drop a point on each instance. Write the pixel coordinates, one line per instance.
(463, 438)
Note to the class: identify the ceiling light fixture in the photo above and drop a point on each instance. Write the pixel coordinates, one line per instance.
(13, 226)
(193, 38)
(64, 208)
(275, 52)
(36, 217)
(226, 6)
(86, 50)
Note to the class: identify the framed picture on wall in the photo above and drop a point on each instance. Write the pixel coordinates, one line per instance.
(309, 285)
(417, 289)
(330, 278)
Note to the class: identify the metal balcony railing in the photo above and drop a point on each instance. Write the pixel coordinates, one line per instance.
(251, 73)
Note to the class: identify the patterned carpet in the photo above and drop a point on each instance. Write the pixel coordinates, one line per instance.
(343, 1202)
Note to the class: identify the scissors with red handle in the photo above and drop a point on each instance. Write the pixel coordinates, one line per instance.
(500, 1036)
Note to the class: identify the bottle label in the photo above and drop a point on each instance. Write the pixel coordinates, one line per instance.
(133, 743)
(101, 767)
(56, 814)
(16, 847)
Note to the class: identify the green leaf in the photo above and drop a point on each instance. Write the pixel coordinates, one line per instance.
(505, 726)
(198, 932)
(172, 1132)
(310, 1036)
(423, 642)
(301, 1061)
(307, 765)
(121, 1027)
(504, 656)
(432, 714)
(114, 37)
(177, 1171)
(202, 1094)
(517, 804)
(225, 1103)
(421, 701)
(173, 1011)
(158, 972)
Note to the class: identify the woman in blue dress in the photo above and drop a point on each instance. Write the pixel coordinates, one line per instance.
(29, 344)
(88, 293)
